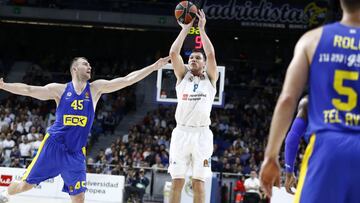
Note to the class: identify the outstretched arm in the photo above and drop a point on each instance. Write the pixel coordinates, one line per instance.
(208, 48)
(292, 142)
(108, 86)
(176, 60)
(47, 92)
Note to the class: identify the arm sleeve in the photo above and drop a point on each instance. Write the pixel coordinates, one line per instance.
(292, 141)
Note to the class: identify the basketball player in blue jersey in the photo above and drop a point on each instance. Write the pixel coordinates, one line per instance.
(191, 143)
(292, 143)
(62, 150)
(328, 58)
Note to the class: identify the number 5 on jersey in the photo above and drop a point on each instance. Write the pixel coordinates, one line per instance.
(77, 104)
(339, 78)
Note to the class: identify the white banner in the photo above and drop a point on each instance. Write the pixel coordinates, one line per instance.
(104, 188)
(100, 187)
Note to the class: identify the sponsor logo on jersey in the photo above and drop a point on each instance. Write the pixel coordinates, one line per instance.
(206, 163)
(68, 94)
(74, 120)
(185, 96)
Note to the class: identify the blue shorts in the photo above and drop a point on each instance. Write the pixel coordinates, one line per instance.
(330, 170)
(53, 159)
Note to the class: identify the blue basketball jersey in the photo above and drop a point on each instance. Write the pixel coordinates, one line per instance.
(74, 118)
(334, 81)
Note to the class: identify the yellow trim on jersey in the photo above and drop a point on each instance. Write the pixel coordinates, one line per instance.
(304, 167)
(28, 170)
(84, 150)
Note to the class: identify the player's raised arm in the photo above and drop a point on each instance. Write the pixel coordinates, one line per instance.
(47, 92)
(176, 60)
(208, 48)
(108, 86)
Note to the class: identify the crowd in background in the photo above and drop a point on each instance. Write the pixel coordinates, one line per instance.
(240, 127)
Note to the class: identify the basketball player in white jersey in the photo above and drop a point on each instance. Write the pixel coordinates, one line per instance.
(192, 141)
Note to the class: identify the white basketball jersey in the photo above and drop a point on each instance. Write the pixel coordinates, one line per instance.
(195, 98)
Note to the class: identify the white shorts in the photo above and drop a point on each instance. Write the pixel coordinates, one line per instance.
(192, 148)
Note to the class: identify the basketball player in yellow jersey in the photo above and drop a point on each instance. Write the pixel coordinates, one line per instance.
(192, 140)
(328, 59)
(61, 151)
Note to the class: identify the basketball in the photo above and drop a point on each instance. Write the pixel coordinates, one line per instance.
(185, 11)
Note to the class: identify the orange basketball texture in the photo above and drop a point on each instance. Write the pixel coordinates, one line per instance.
(185, 11)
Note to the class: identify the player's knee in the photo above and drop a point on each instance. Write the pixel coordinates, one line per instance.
(177, 172)
(79, 198)
(198, 186)
(177, 185)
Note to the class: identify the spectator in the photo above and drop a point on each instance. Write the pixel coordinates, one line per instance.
(25, 149)
(239, 188)
(158, 164)
(50, 119)
(136, 184)
(32, 135)
(16, 163)
(15, 153)
(252, 186)
(36, 144)
(8, 145)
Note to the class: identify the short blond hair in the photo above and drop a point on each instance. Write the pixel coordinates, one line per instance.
(75, 60)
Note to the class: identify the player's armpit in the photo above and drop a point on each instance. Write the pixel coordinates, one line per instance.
(52, 91)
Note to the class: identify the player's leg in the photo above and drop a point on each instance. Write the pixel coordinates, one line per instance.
(43, 166)
(198, 187)
(176, 188)
(19, 187)
(74, 176)
(201, 151)
(179, 160)
(79, 198)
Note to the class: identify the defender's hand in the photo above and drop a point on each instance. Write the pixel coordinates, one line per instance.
(161, 62)
(269, 175)
(290, 182)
